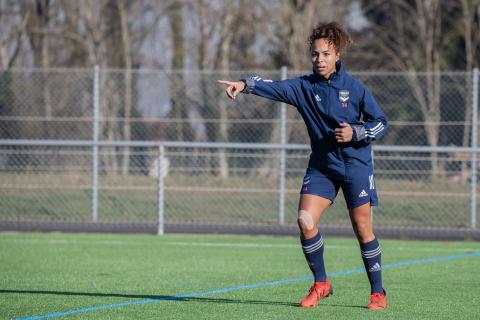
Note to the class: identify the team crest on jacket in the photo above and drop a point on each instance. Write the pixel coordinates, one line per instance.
(344, 96)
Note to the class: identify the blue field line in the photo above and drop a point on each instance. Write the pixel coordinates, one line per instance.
(249, 286)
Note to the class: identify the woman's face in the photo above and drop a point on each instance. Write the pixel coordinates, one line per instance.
(324, 56)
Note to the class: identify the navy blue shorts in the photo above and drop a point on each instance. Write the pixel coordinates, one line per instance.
(357, 190)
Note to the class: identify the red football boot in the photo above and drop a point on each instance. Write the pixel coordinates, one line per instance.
(377, 300)
(318, 291)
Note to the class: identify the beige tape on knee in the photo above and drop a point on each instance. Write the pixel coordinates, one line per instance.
(306, 219)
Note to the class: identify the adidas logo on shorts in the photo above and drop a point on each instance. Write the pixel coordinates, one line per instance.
(363, 194)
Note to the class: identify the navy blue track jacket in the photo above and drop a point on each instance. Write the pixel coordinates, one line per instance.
(324, 104)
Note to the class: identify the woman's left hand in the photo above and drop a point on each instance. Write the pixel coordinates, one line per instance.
(344, 133)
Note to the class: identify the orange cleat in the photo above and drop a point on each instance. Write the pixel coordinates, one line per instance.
(318, 291)
(378, 300)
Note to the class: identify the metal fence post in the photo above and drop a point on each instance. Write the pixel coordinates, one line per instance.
(160, 189)
(473, 183)
(283, 141)
(95, 126)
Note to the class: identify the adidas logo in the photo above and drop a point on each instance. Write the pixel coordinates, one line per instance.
(375, 267)
(363, 194)
(317, 97)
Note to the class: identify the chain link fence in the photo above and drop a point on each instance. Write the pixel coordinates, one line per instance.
(82, 147)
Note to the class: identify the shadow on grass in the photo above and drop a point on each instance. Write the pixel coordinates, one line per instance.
(164, 298)
(142, 296)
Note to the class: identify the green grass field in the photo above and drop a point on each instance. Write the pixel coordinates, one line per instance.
(96, 276)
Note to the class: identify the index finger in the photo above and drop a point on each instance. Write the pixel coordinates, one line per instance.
(228, 83)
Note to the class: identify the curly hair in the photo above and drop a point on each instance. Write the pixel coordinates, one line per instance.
(333, 33)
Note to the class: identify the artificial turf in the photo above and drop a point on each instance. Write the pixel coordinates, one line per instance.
(101, 276)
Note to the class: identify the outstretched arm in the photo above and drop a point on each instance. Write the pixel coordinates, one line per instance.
(282, 90)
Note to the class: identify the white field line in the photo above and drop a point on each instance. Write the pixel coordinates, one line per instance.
(222, 245)
(282, 246)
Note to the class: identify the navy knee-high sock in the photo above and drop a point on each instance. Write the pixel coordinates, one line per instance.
(313, 250)
(372, 259)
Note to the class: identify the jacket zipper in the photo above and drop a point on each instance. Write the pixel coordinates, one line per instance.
(339, 149)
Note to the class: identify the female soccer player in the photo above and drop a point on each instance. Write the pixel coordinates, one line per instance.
(342, 119)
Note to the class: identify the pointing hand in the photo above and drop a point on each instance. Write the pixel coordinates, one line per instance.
(233, 88)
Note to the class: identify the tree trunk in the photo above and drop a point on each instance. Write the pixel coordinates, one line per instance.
(429, 20)
(177, 86)
(127, 74)
(208, 92)
(37, 26)
(226, 37)
(468, 20)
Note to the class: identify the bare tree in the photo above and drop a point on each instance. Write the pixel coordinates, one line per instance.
(405, 36)
(39, 12)
(220, 25)
(409, 38)
(222, 63)
(13, 26)
(178, 111)
(128, 83)
(106, 32)
(471, 22)
(293, 21)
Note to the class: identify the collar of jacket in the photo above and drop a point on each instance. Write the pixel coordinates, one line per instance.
(335, 77)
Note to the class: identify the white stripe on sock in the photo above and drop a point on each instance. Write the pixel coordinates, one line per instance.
(371, 253)
(314, 247)
(313, 244)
